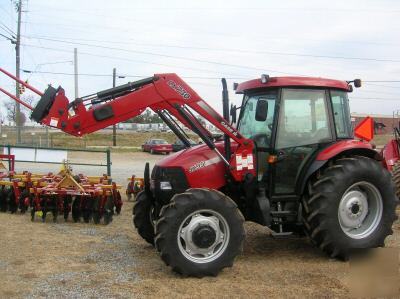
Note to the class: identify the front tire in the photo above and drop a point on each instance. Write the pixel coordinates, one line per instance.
(142, 210)
(350, 205)
(200, 232)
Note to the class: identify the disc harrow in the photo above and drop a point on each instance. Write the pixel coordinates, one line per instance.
(86, 198)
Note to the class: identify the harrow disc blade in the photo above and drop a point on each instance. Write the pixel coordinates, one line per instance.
(76, 209)
(97, 210)
(108, 210)
(11, 201)
(67, 206)
(87, 208)
(118, 203)
(3, 199)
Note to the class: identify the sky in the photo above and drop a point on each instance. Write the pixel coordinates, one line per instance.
(203, 41)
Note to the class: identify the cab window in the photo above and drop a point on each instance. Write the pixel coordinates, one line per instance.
(341, 113)
(303, 118)
(249, 127)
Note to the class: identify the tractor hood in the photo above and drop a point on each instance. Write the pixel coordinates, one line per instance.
(201, 165)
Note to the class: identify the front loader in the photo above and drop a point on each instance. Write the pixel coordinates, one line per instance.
(291, 163)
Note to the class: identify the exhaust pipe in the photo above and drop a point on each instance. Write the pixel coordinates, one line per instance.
(225, 113)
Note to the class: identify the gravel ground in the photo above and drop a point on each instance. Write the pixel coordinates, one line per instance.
(78, 260)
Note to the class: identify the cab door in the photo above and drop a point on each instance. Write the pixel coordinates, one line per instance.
(261, 131)
(303, 125)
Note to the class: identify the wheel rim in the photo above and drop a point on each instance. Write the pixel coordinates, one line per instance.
(203, 236)
(360, 210)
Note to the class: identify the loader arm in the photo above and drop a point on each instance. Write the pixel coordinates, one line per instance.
(163, 93)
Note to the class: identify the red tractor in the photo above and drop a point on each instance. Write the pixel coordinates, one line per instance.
(291, 163)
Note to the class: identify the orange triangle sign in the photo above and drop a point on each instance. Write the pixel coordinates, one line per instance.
(365, 129)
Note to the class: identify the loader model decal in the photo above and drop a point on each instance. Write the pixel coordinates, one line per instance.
(202, 164)
(226, 126)
(197, 166)
(179, 89)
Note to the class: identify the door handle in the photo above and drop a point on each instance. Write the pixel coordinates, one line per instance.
(281, 155)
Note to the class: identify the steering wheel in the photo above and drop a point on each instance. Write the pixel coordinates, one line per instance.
(261, 139)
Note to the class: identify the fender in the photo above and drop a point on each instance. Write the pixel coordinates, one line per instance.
(321, 157)
(390, 154)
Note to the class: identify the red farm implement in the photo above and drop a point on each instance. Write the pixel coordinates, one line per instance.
(87, 198)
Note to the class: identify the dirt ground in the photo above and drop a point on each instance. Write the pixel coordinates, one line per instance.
(77, 260)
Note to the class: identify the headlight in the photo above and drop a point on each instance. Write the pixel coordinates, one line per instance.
(165, 186)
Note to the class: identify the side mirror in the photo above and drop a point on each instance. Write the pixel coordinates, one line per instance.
(233, 113)
(357, 83)
(261, 109)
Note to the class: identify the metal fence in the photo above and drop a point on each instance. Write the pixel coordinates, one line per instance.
(49, 137)
(49, 155)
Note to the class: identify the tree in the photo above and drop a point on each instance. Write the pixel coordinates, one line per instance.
(11, 113)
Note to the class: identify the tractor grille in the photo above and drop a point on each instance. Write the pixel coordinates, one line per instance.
(174, 175)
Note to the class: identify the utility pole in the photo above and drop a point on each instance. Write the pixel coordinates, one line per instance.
(17, 72)
(76, 72)
(114, 126)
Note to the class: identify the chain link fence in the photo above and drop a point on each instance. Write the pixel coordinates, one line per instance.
(51, 138)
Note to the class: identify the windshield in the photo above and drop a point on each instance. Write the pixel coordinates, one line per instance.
(249, 127)
(159, 141)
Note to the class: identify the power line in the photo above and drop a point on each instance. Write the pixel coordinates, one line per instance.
(187, 77)
(71, 21)
(5, 31)
(122, 75)
(171, 56)
(208, 49)
(386, 86)
(11, 16)
(127, 59)
(380, 92)
(373, 98)
(7, 28)
(383, 81)
(9, 38)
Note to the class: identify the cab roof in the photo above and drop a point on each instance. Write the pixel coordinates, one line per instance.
(306, 82)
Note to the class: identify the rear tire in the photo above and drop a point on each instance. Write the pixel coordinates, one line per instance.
(350, 205)
(200, 232)
(142, 210)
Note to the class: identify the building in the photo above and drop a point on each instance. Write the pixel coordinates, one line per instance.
(384, 124)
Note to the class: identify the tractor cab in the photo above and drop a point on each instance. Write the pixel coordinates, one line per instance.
(290, 119)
